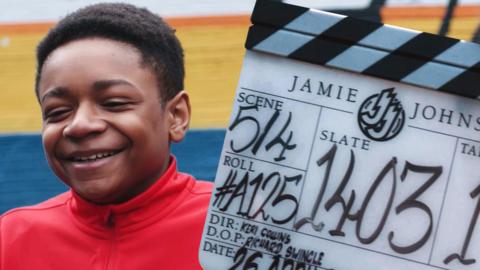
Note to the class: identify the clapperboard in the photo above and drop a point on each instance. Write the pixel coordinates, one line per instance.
(352, 145)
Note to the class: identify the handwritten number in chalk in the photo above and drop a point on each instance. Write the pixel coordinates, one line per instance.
(245, 261)
(361, 213)
(265, 132)
(260, 134)
(338, 199)
(388, 174)
(239, 258)
(279, 141)
(328, 159)
(260, 209)
(240, 119)
(255, 194)
(284, 197)
(461, 257)
(250, 263)
(412, 203)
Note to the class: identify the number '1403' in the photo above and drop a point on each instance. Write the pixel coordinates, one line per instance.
(412, 202)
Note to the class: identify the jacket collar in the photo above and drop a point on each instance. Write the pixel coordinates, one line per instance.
(147, 207)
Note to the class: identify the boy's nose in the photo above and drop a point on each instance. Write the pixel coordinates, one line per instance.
(86, 121)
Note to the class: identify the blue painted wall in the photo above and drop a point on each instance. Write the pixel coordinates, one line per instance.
(26, 179)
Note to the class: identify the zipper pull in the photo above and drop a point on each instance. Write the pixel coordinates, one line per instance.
(110, 221)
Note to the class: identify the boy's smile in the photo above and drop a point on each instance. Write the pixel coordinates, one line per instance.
(106, 130)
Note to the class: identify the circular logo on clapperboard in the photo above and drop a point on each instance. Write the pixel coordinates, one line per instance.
(381, 116)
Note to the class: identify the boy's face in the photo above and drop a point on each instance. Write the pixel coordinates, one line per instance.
(105, 131)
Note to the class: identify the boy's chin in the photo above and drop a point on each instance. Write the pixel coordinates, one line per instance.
(98, 194)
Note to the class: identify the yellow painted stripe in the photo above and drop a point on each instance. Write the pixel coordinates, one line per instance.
(213, 48)
(18, 107)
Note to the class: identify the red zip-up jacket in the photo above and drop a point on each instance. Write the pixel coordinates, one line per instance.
(158, 229)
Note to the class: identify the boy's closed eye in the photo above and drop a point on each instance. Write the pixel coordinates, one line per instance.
(117, 104)
(55, 114)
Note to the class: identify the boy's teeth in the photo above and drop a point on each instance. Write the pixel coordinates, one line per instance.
(94, 156)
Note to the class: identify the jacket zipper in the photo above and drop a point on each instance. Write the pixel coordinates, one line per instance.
(110, 223)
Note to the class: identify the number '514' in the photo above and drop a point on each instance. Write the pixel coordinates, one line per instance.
(260, 133)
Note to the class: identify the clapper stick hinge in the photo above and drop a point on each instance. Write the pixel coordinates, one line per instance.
(366, 47)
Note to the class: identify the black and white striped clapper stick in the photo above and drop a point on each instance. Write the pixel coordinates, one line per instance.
(369, 48)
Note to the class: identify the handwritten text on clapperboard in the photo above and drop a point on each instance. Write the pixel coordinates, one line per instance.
(323, 167)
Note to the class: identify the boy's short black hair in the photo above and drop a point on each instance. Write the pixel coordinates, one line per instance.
(155, 40)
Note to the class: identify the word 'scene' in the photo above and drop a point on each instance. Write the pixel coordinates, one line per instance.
(259, 101)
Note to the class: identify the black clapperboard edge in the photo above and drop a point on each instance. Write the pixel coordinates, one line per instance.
(366, 47)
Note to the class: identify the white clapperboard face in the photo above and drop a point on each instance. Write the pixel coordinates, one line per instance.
(352, 145)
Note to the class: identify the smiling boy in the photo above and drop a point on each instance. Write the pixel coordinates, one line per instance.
(110, 87)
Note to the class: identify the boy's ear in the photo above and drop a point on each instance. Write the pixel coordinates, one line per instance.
(178, 111)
